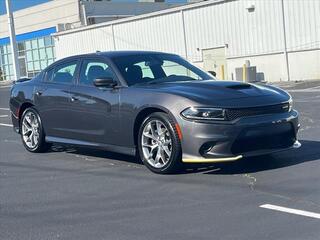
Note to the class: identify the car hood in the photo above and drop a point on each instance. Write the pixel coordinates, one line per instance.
(224, 93)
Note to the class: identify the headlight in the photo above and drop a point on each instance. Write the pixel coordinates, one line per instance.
(194, 113)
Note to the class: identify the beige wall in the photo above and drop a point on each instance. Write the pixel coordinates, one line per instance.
(42, 16)
(272, 66)
(304, 65)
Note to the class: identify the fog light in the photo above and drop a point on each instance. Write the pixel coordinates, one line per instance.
(206, 147)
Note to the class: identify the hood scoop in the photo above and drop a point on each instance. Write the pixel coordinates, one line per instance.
(239, 86)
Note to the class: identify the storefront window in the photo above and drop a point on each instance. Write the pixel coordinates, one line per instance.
(34, 55)
(28, 45)
(36, 65)
(41, 42)
(30, 67)
(34, 44)
(21, 46)
(42, 53)
(48, 41)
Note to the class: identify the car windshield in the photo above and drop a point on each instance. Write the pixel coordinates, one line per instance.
(157, 68)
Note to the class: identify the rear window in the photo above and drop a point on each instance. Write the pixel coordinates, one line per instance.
(62, 73)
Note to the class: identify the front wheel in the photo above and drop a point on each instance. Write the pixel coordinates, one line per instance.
(159, 144)
(32, 133)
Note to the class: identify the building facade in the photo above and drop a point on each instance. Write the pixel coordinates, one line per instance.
(35, 26)
(278, 39)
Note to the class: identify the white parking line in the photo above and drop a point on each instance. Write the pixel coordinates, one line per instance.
(4, 116)
(6, 109)
(291, 210)
(6, 125)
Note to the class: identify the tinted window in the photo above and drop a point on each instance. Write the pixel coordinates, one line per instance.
(92, 70)
(157, 68)
(62, 73)
(173, 68)
(146, 70)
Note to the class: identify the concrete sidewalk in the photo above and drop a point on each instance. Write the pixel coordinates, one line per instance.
(298, 85)
(6, 83)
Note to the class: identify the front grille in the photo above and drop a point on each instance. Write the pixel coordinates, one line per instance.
(233, 114)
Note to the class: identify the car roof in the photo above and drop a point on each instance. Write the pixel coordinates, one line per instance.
(116, 54)
(128, 53)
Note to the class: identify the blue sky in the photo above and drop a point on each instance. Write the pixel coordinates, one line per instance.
(20, 4)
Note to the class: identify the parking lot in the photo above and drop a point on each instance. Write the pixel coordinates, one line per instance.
(71, 193)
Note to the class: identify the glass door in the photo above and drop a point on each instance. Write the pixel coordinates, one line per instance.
(23, 67)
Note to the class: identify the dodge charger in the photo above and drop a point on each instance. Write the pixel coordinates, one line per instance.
(156, 106)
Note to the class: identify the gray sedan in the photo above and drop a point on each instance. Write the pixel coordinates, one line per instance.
(154, 105)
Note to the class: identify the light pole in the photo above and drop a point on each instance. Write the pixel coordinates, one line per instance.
(13, 42)
(285, 48)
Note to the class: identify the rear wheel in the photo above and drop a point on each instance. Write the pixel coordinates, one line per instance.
(158, 144)
(32, 134)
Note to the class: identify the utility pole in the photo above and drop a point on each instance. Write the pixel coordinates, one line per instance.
(13, 42)
(285, 49)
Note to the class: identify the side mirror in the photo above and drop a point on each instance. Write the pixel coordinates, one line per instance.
(107, 82)
(213, 73)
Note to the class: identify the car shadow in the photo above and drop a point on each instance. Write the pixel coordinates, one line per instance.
(309, 151)
(89, 152)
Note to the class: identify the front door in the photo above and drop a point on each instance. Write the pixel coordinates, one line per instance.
(95, 110)
(214, 59)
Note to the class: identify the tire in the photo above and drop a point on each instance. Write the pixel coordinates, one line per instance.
(166, 157)
(31, 124)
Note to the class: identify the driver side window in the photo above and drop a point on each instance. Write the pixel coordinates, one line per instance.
(93, 69)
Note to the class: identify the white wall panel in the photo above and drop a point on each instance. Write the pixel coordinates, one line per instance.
(271, 66)
(256, 36)
(161, 33)
(246, 33)
(305, 65)
(98, 39)
(302, 24)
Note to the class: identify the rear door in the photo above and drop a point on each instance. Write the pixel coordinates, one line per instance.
(95, 110)
(53, 99)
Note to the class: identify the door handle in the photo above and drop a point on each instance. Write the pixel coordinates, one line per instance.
(73, 99)
(38, 93)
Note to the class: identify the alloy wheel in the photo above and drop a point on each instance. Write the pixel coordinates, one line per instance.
(156, 143)
(30, 130)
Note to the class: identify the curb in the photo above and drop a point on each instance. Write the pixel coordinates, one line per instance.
(6, 83)
(305, 84)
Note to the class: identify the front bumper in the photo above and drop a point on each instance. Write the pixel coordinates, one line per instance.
(207, 142)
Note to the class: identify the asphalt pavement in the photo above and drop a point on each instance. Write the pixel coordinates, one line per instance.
(74, 193)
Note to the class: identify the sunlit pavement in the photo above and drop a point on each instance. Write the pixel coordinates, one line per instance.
(71, 193)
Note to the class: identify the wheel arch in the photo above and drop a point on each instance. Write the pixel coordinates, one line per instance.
(143, 113)
(22, 108)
